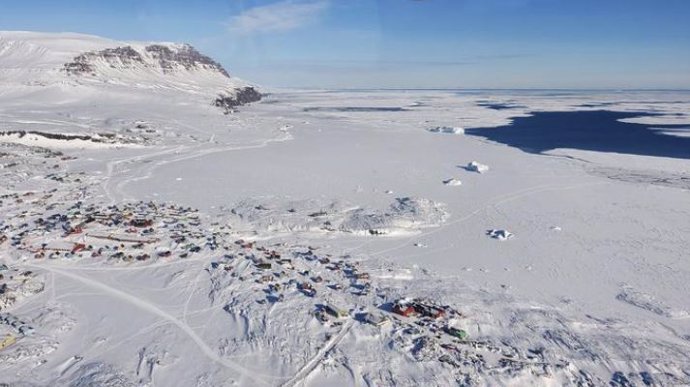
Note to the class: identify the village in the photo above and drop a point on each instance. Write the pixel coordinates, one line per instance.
(340, 291)
(62, 223)
(15, 285)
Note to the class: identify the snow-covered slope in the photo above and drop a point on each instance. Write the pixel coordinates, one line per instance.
(66, 64)
(342, 238)
(319, 213)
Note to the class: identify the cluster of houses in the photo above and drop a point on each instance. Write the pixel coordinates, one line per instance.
(22, 327)
(335, 285)
(16, 284)
(273, 266)
(144, 231)
(130, 232)
(338, 286)
(417, 307)
(48, 227)
(428, 314)
(285, 271)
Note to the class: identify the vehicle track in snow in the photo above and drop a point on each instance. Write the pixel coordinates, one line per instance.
(209, 352)
(110, 171)
(492, 203)
(309, 367)
(115, 190)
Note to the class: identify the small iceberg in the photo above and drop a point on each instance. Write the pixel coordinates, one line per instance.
(501, 235)
(447, 130)
(477, 167)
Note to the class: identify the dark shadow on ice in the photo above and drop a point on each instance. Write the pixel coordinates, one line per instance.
(387, 307)
(600, 131)
(498, 105)
(355, 109)
(361, 317)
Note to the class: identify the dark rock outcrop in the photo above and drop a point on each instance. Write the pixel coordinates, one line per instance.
(118, 57)
(242, 96)
(78, 67)
(187, 57)
(166, 58)
(52, 136)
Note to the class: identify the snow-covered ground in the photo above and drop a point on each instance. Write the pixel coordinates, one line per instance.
(316, 199)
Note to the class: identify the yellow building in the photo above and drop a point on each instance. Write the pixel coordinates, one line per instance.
(7, 341)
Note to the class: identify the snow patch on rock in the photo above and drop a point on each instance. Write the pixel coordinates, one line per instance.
(501, 235)
(404, 215)
(475, 166)
(452, 182)
(447, 130)
(649, 303)
(99, 374)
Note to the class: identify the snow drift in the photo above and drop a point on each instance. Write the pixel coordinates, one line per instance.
(404, 215)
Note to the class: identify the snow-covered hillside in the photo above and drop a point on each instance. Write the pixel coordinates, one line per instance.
(68, 68)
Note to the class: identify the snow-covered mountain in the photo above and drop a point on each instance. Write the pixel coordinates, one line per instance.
(60, 63)
(168, 59)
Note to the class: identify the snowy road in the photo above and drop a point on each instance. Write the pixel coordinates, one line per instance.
(148, 307)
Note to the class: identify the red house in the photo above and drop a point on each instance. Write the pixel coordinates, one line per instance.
(404, 309)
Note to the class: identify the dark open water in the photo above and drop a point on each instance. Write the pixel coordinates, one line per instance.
(589, 130)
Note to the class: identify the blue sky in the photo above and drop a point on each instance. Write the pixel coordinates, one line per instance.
(401, 43)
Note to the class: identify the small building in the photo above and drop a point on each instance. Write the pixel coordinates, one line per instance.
(335, 311)
(404, 309)
(456, 332)
(26, 330)
(265, 278)
(141, 222)
(305, 285)
(477, 167)
(287, 264)
(376, 319)
(78, 247)
(501, 235)
(264, 265)
(7, 341)
(428, 310)
(143, 257)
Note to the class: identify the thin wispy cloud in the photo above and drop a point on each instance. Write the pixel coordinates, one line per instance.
(278, 17)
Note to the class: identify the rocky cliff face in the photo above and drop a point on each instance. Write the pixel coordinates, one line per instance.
(168, 59)
(164, 62)
(186, 57)
(239, 97)
(119, 57)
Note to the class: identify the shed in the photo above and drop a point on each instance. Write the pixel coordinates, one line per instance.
(335, 311)
(264, 265)
(456, 332)
(402, 309)
(376, 319)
